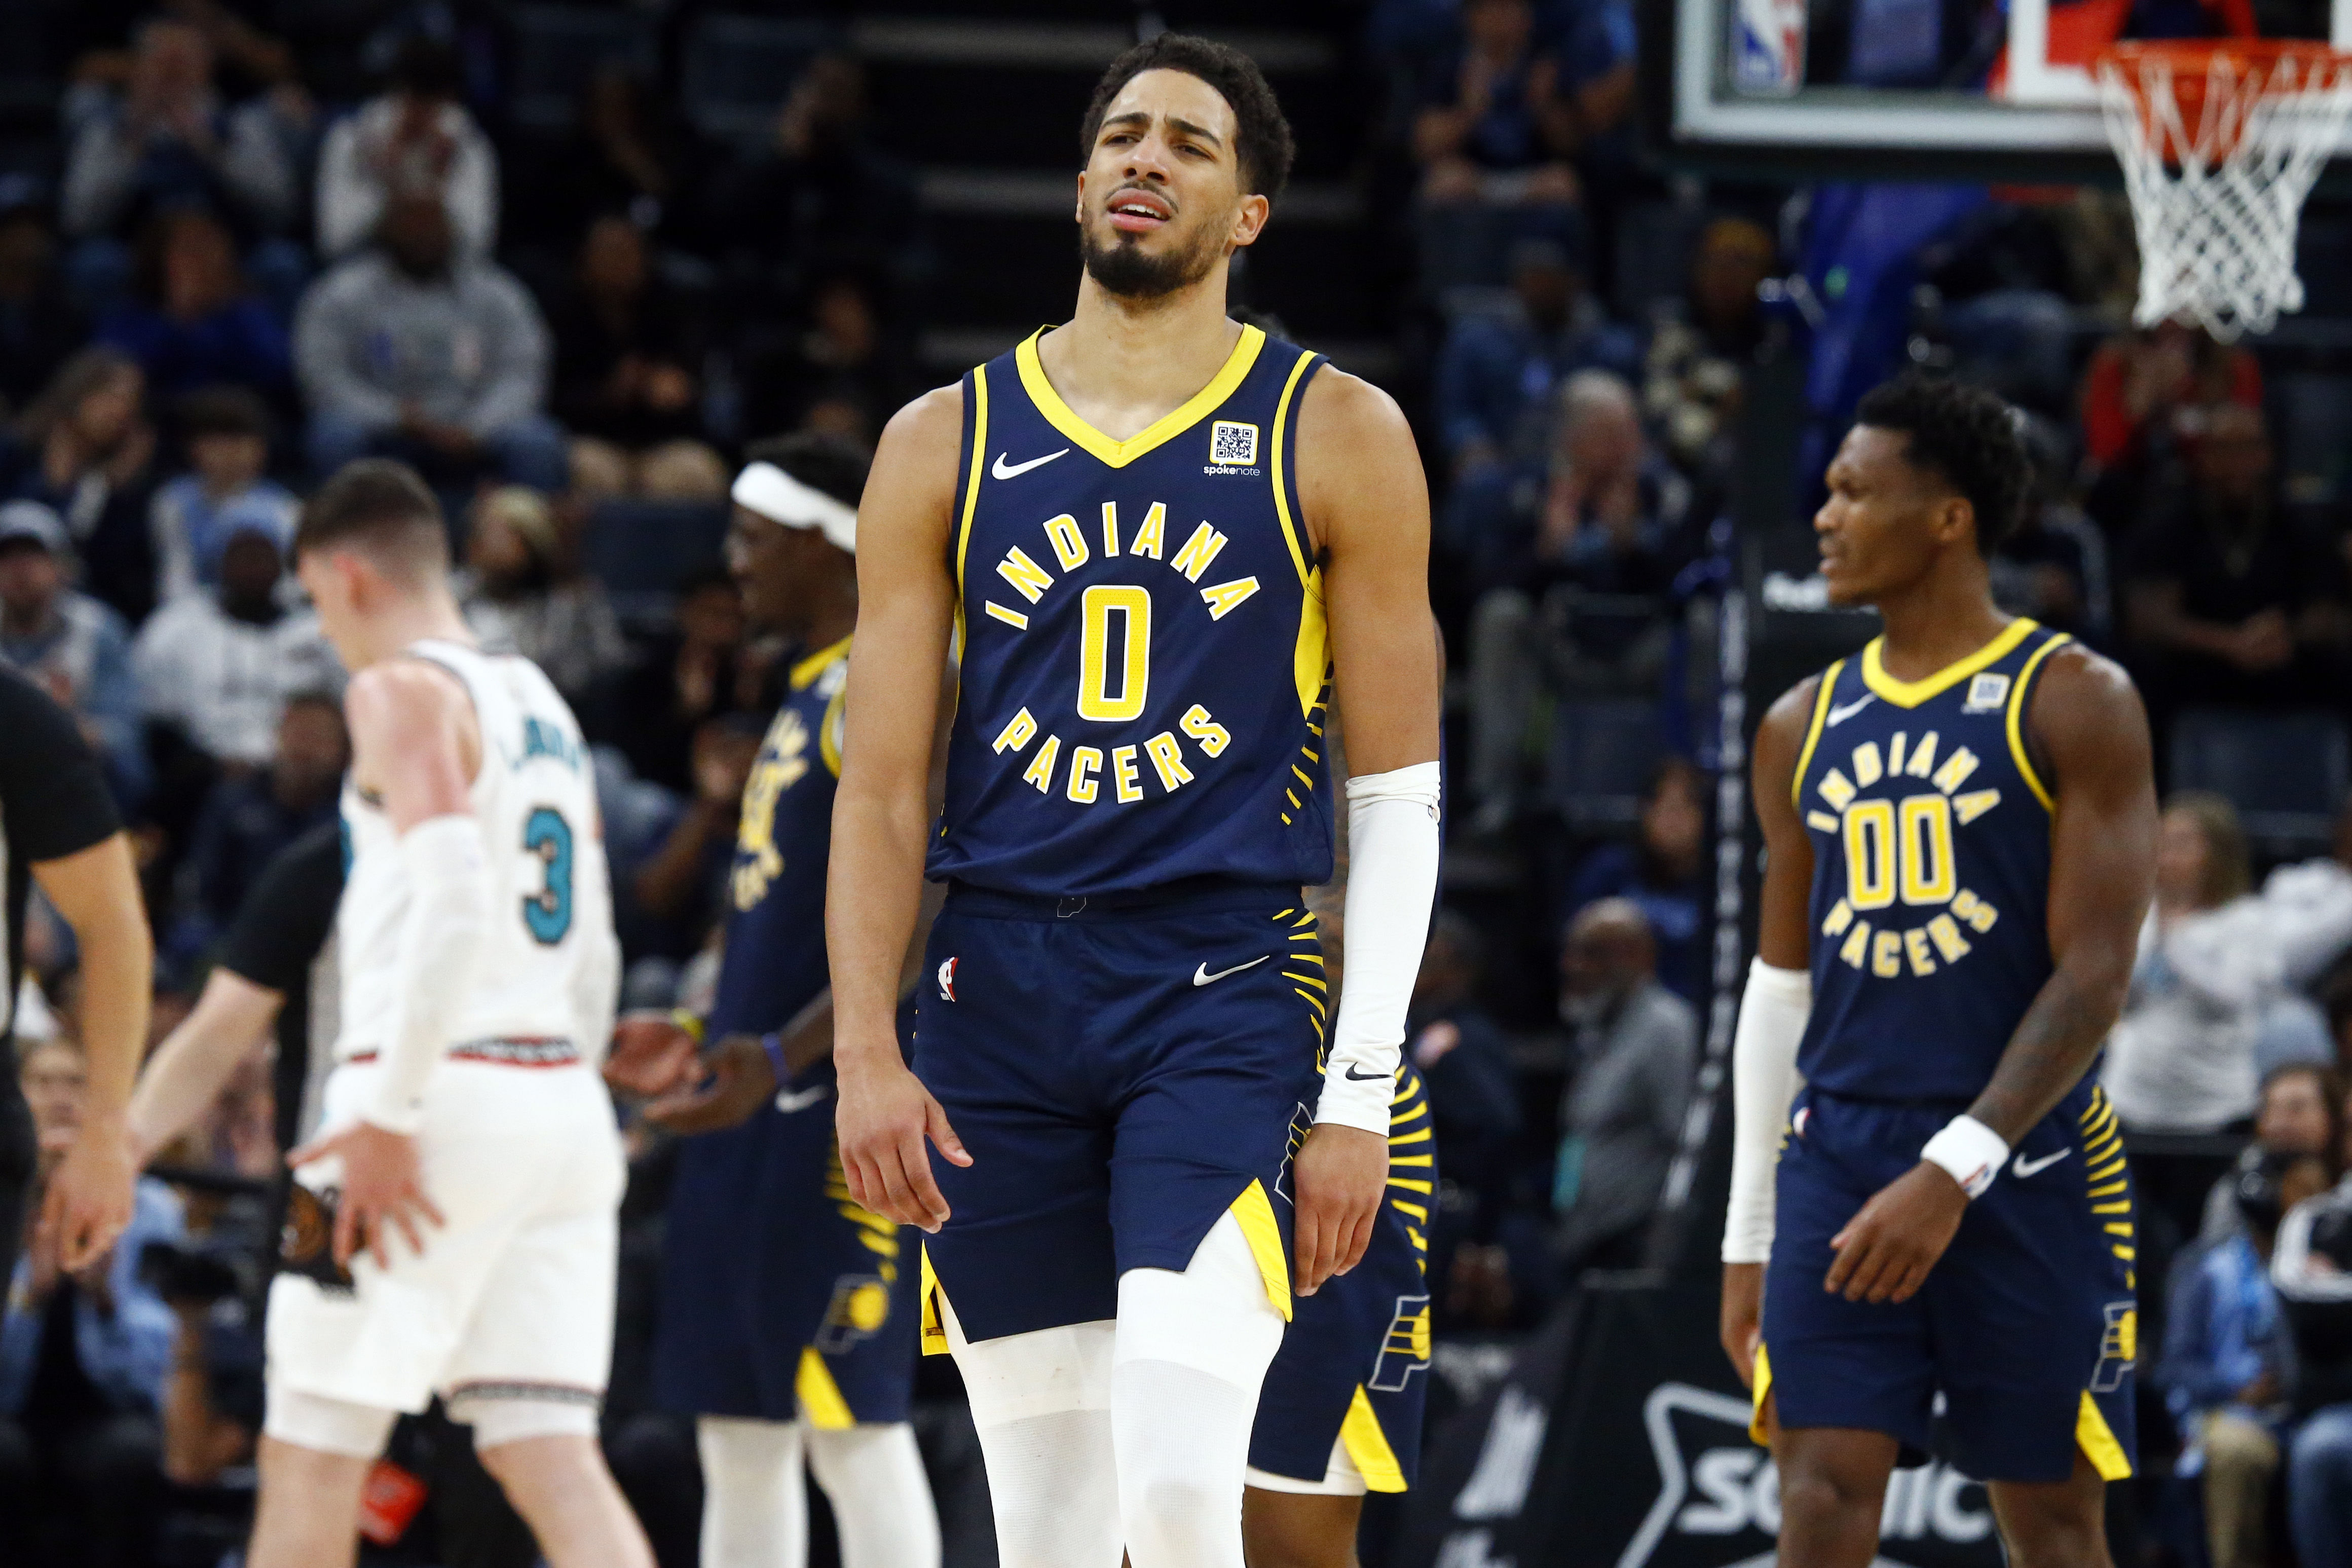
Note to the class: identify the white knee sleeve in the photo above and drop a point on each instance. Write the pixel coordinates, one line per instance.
(882, 1508)
(497, 1419)
(1192, 1350)
(327, 1425)
(754, 1513)
(1042, 1404)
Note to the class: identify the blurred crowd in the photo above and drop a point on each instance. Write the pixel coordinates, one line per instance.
(266, 241)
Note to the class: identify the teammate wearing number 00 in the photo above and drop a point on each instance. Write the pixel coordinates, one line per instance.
(1159, 537)
(1930, 1196)
(455, 1228)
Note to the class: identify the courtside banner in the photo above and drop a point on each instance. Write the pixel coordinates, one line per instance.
(1620, 1440)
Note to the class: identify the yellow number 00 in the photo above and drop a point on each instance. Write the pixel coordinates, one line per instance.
(1921, 854)
(1134, 605)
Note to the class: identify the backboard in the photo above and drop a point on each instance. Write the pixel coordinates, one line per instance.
(1917, 89)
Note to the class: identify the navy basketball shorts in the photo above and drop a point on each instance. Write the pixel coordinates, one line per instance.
(1351, 1375)
(1122, 1074)
(779, 1294)
(2028, 1325)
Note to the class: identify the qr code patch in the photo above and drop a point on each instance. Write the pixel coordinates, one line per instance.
(1231, 444)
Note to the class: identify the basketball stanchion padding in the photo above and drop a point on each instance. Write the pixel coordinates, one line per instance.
(2220, 143)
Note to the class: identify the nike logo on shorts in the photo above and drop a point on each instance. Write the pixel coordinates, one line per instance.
(2023, 1167)
(788, 1103)
(1844, 711)
(1201, 976)
(1004, 471)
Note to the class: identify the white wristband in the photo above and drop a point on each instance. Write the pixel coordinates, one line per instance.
(1970, 1151)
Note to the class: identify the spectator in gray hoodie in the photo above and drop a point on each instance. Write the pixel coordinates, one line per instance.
(416, 352)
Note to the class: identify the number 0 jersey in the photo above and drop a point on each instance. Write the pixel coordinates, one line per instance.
(1144, 663)
(1931, 870)
(551, 904)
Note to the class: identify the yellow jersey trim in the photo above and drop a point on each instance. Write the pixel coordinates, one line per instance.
(1311, 657)
(1307, 573)
(2017, 720)
(804, 673)
(828, 734)
(820, 1396)
(1119, 453)
(1256, 1213)
(2097, 1441)
(1756, 1428)
(1368, 1447)
(1911, 693)
(971, 492)
(1813, 731)
(934, 1331)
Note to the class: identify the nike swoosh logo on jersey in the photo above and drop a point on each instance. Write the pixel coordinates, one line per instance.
(788, 1102)
(1201, 976)
(1840, 715)
(1004, 471)
(1366, 1077)
(2023, 1167)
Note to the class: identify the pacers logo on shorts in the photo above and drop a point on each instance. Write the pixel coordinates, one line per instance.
(1406, 1349)
(861, 1305)
(2118, 1346)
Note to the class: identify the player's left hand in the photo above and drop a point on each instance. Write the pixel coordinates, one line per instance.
(1884, 1252)
(1342, 1175)
(742, 1080)
(87, 1202)
(384, 1185)
(652, 1056)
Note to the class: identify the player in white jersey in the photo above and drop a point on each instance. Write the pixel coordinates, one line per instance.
(454, 1231)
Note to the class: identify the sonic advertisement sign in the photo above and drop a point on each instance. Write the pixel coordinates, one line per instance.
(1621, 1441)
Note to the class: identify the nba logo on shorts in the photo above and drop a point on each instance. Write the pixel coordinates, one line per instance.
(947, 980)
(1767, 46)
(1232, 445)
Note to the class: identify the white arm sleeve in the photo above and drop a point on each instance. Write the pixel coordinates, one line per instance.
(1391, 886)
(1764, 1082)
(448, 916)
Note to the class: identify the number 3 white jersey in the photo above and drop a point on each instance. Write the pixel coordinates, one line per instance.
(543, 983)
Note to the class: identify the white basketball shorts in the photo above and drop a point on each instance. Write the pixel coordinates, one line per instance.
(512, 1295)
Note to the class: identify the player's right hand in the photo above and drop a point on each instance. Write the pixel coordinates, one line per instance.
(652, 1056)
(1742, 1323)
(883, 1118)
(383, 1185)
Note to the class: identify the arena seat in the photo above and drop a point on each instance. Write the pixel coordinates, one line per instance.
(2287, 773)
(642, 550)
(559, 49)
(1601, 751)
(736, 72)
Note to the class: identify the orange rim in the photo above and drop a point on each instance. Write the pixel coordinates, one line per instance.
(2256, 63)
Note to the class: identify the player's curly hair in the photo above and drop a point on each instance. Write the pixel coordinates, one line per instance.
(1963, 435)
(829, 464)
(1262, 148)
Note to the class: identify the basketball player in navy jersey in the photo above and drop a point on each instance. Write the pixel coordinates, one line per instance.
(1159, 537)
(1960, 822)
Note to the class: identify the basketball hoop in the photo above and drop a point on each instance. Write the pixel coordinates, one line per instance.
(2221, 141)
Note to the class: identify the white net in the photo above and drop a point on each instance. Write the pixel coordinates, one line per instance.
(2217, 177)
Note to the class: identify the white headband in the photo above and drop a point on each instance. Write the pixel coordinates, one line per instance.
(777, 496)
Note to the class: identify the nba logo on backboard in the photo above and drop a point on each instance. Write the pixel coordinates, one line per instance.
(1987, 693)
(1767, 46)
(1231, 445)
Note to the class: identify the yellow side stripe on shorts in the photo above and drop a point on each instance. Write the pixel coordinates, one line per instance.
(2125, 1253)
(1306, 980)
(2097, 1441)
(1415, 1210)
(1415, 1114)
(820, 1396)
(1421, 1137)
(1314, 958)
(2114, 1228)
(2124, 1207)
(2110, 1189)
(1259, 1228)
(1368, 1446)
(1413, 1159)
(1314, 1001)
(1410, 1186)
(934, 1331)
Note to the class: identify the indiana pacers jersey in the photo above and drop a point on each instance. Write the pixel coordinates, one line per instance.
(775, 894)
(1144, 663)
(1930, 825)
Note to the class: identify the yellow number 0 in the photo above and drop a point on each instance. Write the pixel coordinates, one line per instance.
(1921, 854)
(1134, 605)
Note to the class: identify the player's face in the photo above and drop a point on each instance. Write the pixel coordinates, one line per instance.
(331, 579)
(760, 554)
(1160, 202)
(1886, 521)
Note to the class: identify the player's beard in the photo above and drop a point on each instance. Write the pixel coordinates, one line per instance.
(1124, 269)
